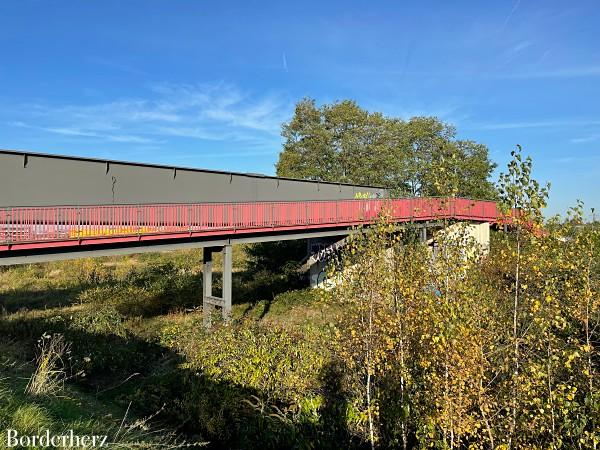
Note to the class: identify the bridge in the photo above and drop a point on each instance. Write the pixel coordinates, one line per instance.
(55, 207)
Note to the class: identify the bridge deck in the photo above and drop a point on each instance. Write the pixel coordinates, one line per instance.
(31, 228)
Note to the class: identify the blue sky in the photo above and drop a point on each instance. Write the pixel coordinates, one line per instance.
(208, 84)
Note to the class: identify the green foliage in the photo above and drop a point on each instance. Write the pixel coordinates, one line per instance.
(467, 352)
(259, 386)
(254, 386)
(343, 142)
(274, 361)
(519, 191)
(406, 351)
(102, 319)
(276, 257)
(270, 268)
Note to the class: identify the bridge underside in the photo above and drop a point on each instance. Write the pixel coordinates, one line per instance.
(222, 243)
(97, 249)
(209, 244)
(135, 246)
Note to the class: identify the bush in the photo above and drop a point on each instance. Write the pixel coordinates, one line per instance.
(251, 386)
(100, 319)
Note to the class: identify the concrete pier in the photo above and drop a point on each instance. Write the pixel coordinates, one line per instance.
(209, 301)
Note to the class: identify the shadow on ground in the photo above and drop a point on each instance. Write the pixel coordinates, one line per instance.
(125, 369)
(118, 366)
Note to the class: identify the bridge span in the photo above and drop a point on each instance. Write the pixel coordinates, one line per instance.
(54, 207)
(34, 234)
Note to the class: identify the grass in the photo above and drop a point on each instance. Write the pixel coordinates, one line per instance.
(68, 408)
(49, 375)
(132, 327)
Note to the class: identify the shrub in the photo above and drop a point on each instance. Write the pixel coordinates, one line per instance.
(100, 319)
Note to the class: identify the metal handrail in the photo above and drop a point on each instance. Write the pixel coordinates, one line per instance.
(35, 224)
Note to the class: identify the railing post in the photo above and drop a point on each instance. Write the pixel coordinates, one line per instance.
(78, 213)
(8, 226)
(57, 224)
(111, 222)
(139, 213)
(234, 213)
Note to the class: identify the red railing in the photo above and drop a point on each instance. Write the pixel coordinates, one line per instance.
(76, 223)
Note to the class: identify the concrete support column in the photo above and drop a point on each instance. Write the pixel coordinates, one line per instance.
(209, 301)
(227, 285)
(207, 306)
(423, 234)
(483, 237)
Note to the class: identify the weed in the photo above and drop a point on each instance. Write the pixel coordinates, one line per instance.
(49, 375)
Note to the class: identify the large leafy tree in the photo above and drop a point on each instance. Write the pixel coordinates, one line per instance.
(421, 156)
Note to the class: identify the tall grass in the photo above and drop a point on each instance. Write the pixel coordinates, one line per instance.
(49, 375)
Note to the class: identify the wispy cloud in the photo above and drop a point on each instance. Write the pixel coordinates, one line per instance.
(533, 124)
(511, 13)
(564, 160)
(65, 131)
(586, 139)
(520, 46)
(544, 56)
(450, 111)
(512, 53)
(585, 160)
(566, 72)
(217, 111)
(115, 65)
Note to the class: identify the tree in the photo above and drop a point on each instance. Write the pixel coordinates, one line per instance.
(454, 349)
(519, 193)
(343, 142)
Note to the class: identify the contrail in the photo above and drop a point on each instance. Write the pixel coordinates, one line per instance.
(284, 62)
(512, 12)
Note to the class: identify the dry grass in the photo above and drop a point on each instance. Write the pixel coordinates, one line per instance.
(49, 375)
